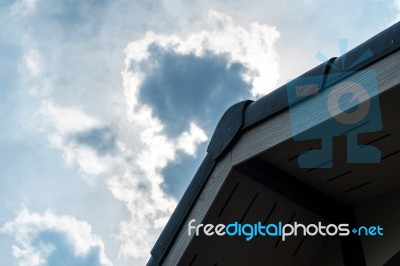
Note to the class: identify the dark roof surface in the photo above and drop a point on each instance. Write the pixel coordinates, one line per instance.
(246, 114)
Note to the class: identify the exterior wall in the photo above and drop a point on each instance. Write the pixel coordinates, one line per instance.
(383, 211)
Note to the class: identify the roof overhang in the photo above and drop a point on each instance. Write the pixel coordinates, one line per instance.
(251, 172)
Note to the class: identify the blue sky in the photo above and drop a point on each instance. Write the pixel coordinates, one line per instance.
(107, 108)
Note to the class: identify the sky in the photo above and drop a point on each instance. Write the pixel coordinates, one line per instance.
(107, 107)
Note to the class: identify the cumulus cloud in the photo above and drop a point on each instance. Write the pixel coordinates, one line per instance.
(99, 149)
(140, 185)
(33, 62)
(175, 83)
(175, 89)
(80, 136)
(254, 48)
(188, 141)
(147, 139)
(102, 139)
(182, 88)
(49, 239)
(193, 80)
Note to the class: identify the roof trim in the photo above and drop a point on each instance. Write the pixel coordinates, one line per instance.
(171, 229)
(227, 129)
(365, 54)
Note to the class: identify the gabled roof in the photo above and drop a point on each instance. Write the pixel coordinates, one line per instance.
(247, 114)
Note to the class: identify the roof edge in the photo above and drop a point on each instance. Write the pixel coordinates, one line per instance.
(182, 210)
(227, 129)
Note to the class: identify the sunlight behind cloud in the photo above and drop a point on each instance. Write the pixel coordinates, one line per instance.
(107, 107)
(247, 54)
(254, 48)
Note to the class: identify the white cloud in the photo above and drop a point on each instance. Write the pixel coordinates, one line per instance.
(137, 179)
(77, 66)
(24, 7)
(188, 141)
(32, 74)
(140, 186)
(143, 147)
(60, 124)
(33, 62)
(48, 237)
(68, 119)
(254, 48)
(150, 208)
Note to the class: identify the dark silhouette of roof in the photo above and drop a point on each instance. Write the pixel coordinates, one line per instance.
(247, 114)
